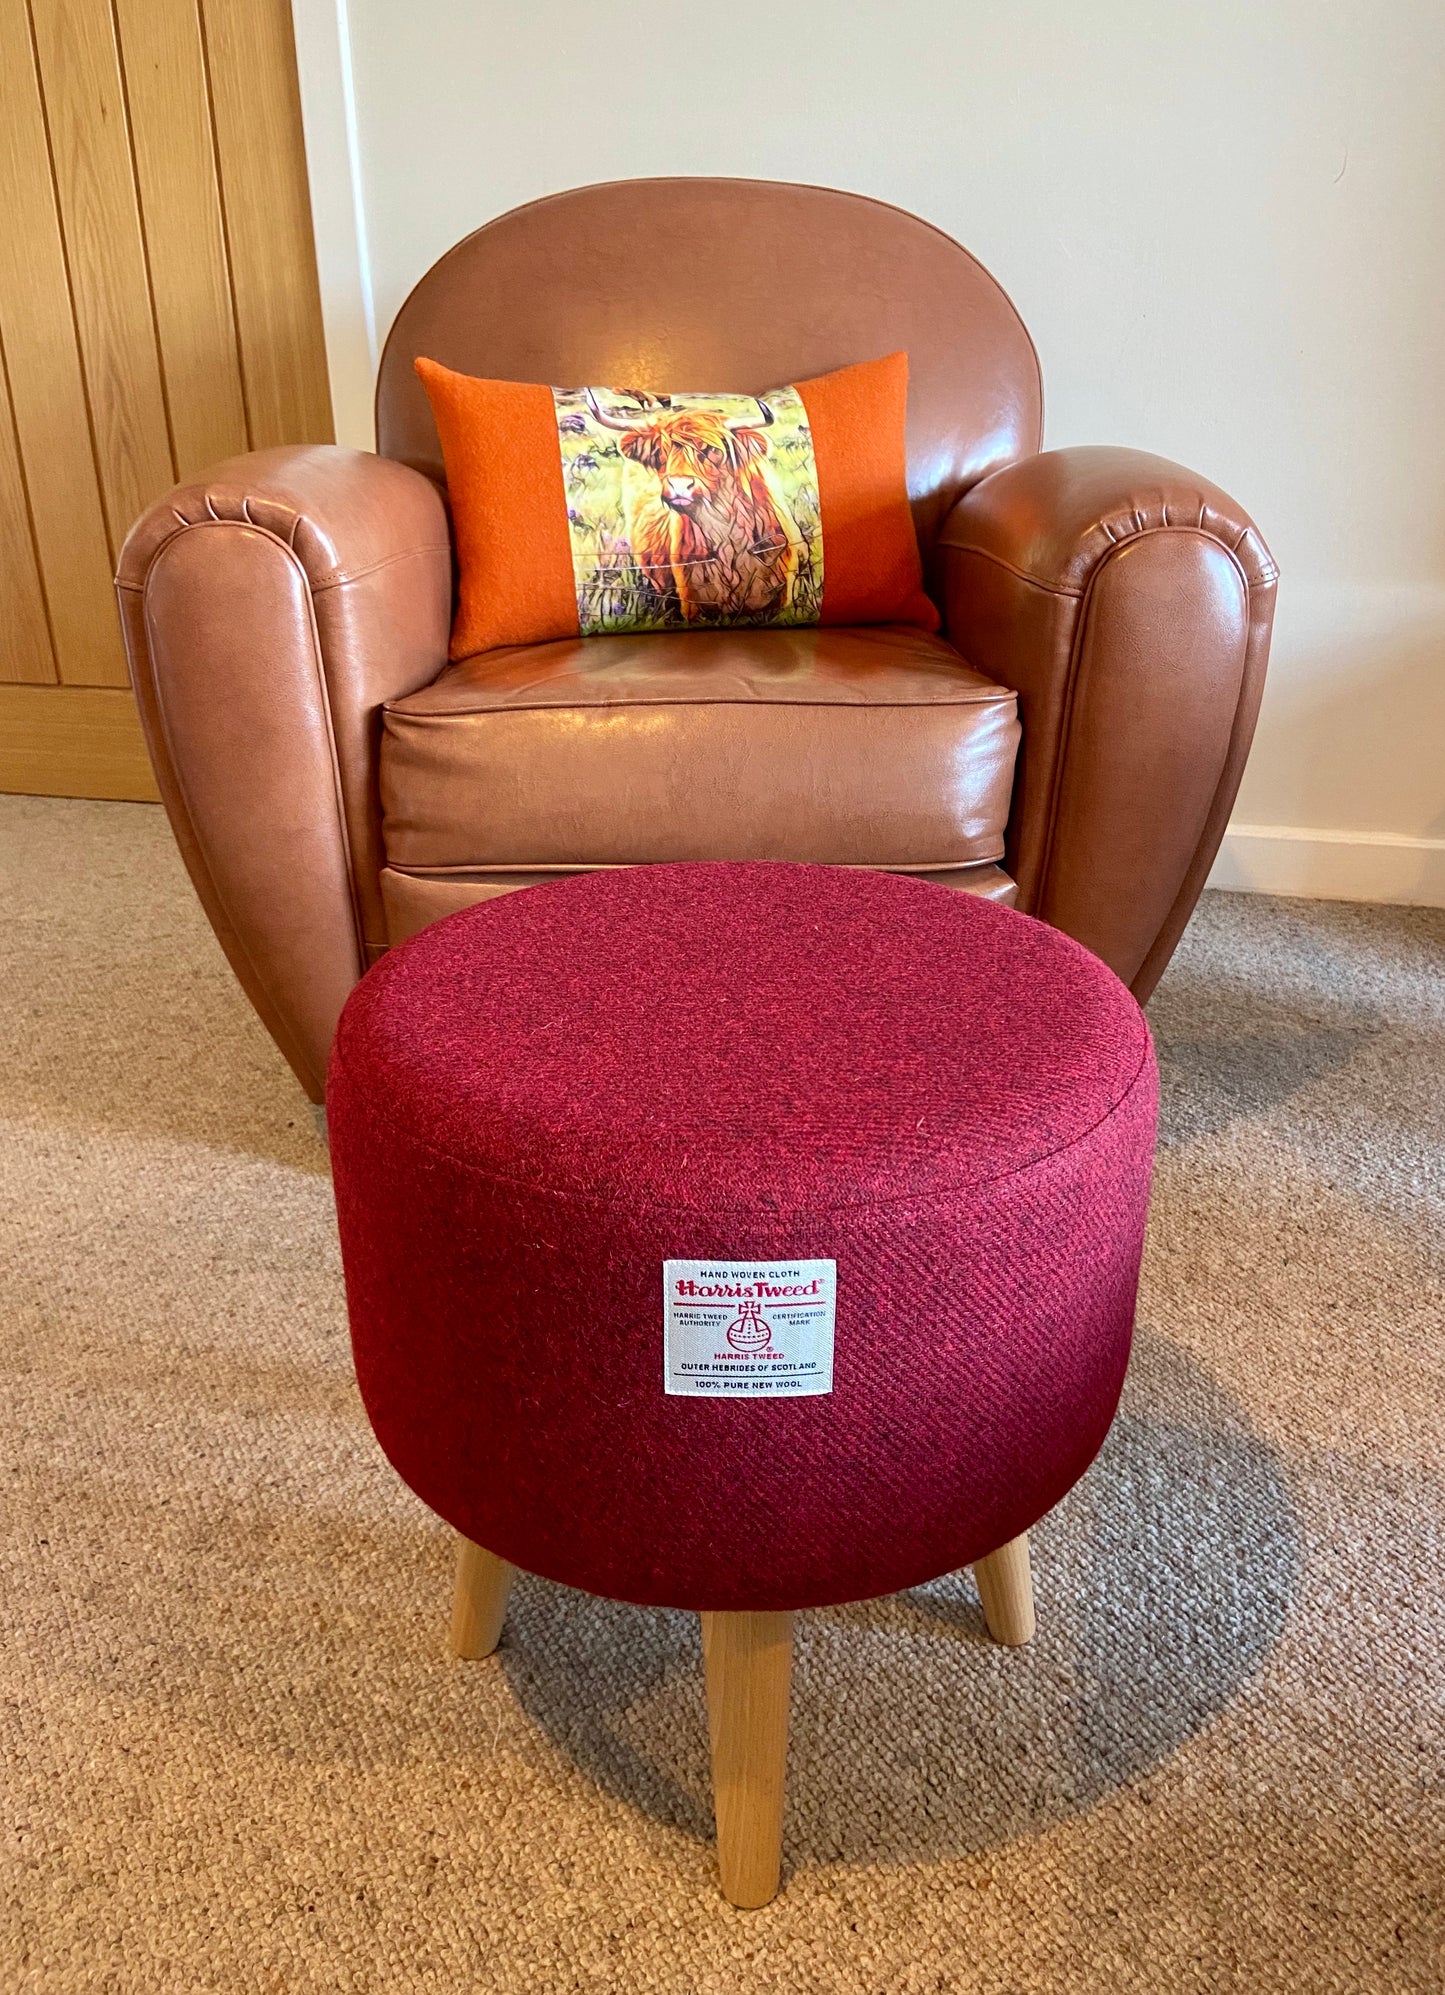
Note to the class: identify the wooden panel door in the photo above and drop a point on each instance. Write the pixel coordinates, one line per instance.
(158, 311)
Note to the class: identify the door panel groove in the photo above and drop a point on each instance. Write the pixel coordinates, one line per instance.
(100, 216)
(173, 140)
(69, 272)
(225, 220)
(27, 636)
(159, 311)
(257, 106)
(51, 402)
(145, 253)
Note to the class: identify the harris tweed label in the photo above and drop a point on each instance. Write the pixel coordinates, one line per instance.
(748, 1329)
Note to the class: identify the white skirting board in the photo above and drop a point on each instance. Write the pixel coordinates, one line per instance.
(1331, 865)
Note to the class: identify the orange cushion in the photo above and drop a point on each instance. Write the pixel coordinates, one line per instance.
(594, 510)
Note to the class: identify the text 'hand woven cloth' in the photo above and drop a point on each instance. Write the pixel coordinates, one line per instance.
(875, 1124)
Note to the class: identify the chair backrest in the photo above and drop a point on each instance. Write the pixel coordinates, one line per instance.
(725, 284)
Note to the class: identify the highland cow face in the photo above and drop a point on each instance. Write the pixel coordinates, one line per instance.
(694, 457)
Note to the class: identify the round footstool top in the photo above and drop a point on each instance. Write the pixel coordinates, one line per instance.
(741, 1236)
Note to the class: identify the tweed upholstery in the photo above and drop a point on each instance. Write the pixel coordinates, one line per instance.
(537, 1102)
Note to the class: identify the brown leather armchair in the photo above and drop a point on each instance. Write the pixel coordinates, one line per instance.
(1075, 738)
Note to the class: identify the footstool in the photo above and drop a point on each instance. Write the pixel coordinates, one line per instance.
(741, 1238)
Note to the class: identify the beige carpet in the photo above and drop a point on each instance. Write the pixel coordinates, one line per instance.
(236, 1756)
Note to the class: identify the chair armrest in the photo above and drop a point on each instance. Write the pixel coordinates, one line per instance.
(269, 608)
(1129, 604)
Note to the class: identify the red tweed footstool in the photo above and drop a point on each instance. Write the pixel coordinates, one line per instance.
(742, 1238)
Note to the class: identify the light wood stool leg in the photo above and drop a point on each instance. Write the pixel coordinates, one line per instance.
(748, 1662)
(1006, 1588)
(479, 1605)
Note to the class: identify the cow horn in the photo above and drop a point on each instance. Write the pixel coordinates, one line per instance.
(751, 422)
(614, 422)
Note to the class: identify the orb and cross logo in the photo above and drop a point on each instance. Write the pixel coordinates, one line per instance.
(750, 1330)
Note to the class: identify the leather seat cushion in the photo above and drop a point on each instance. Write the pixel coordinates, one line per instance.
(876, 747)
(413, 901)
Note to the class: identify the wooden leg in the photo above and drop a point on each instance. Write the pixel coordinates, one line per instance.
(1006, 1588)
(480, 1603)
(748, 1661)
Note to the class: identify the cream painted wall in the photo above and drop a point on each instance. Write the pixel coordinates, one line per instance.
(1223, 223)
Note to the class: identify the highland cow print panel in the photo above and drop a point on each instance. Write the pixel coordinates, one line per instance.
(690, 510)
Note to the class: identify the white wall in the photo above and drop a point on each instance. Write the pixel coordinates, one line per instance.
(1223, 223)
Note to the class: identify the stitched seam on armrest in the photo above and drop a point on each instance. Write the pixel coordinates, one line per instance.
(331, 578)
(1264, 581)
(339, 577)
(1066, 721)
(1009, 568)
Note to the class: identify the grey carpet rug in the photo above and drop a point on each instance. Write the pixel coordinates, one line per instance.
(236, 1755)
